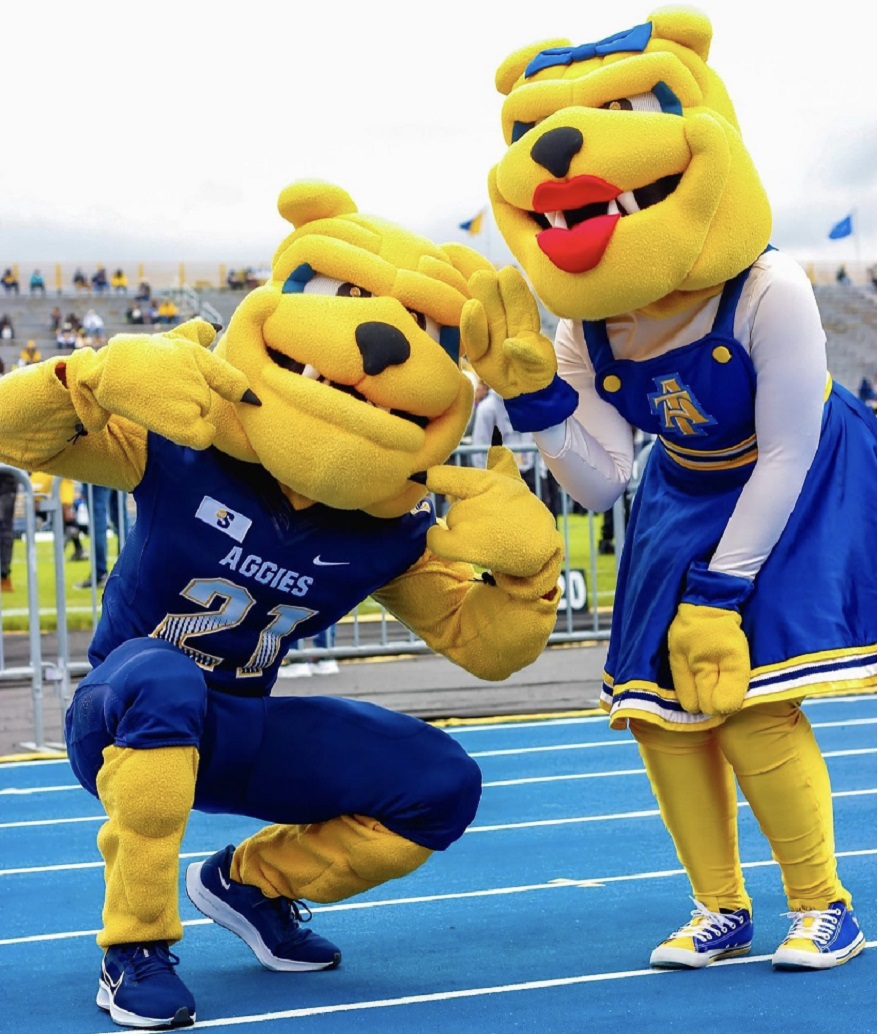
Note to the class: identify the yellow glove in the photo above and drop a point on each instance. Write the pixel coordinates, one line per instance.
(708, 651)
(498, 523)
(163, 382)
(500, 334)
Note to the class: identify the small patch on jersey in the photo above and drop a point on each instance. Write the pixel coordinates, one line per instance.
(424, 506)
(223, 518)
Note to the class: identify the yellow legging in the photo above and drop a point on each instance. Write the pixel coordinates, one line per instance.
(148, 795)
(771, 750)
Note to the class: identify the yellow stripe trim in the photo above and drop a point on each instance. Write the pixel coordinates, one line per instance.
(717, 453)
(628, 711)
(741, 461)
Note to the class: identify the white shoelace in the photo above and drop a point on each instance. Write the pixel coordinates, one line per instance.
(812, 926)
(705, 923)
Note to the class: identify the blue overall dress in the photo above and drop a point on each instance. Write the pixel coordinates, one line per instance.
(810, 620)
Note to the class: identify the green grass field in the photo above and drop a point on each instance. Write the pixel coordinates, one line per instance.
(79, 601)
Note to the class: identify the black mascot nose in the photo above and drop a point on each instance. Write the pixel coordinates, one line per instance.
(555, 149)
(381, 346)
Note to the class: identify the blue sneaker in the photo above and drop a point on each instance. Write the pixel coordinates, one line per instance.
(270, 926)
(139, 988)
(707, 937)
(820, 940)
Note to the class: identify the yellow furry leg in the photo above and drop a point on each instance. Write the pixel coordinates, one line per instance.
(147, 795)
(325, 861)
(695, 790)
(783, 776)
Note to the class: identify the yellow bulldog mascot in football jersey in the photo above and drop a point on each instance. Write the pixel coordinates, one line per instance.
(628, 197)
(281, 477)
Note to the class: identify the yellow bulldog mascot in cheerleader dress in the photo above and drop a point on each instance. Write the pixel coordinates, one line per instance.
(747, 580)
(281, 477)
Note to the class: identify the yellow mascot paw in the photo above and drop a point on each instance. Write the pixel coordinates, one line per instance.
(500, 334)
(710, 659)
(496, 522)
(164, 382)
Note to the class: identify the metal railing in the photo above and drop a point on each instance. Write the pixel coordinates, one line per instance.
(369, 631)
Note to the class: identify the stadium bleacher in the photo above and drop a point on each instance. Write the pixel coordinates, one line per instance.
(848, 313)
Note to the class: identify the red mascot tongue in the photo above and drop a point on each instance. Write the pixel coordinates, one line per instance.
(582, 247)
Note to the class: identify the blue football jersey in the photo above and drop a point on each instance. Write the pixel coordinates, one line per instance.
(220, 564)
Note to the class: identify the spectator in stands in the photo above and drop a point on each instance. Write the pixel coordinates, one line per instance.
(10, 282)
(93, 326)
(144, 292)
(65, 339)
(56, 319)
(872, 273)
(100, 283)
(152, 311)
(168, 312)
(7, 331)
(8, 494)
(866, 393)
(74, 321)
(29, 354)
(80, 280)
(119, 282)
(841, 276)
(135, 314)
(37, 283)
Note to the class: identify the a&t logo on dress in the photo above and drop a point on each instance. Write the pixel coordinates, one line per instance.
(223, 518)
(679, 409)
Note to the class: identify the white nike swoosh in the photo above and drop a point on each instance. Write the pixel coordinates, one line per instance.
(224, 881)
(330, 563)
(113, 985)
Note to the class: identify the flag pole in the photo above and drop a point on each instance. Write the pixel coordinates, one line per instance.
(856, 236)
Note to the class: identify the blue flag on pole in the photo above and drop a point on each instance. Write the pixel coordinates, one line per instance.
(843, 229)
(474, 225)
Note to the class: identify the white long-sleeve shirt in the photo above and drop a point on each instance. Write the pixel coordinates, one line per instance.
(778, 323)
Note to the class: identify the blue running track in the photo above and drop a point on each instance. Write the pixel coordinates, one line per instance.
(541, 919)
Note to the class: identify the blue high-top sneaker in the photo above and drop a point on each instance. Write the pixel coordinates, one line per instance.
(707, 937)
(270, 926)
(820, 940)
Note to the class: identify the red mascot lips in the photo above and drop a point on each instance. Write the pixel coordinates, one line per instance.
(582, 225)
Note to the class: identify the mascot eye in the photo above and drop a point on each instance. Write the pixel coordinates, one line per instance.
(637, 102)
(320, 284)
(426, 323)
(347, 290)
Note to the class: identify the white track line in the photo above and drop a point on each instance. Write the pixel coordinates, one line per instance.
(558, 883)
(493, 828)
(526, 780)
(446, 996)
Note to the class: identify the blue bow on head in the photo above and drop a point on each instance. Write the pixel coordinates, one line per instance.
(630, 39)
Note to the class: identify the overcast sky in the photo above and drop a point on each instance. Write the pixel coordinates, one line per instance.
(166, 130)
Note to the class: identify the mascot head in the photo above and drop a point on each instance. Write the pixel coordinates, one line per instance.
(626, 178)
(353, 349)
